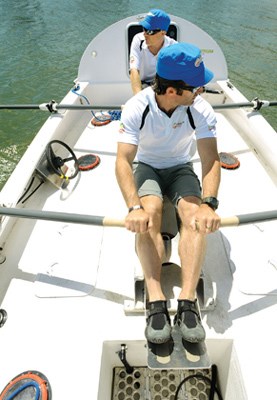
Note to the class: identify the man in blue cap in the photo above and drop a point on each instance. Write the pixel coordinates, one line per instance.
(173, 116)
(145, 47)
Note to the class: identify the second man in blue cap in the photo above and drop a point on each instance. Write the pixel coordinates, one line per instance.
(145, 47)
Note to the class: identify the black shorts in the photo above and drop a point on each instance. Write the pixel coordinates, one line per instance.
(174, 182)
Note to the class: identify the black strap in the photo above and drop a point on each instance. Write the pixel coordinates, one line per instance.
(141, 43)
(145, 112)
(187, 307)
(191, 121)
(159, 310)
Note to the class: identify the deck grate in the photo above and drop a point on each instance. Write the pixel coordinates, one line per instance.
(147, 384)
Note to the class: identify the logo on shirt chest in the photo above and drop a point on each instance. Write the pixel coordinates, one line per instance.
(177, 124)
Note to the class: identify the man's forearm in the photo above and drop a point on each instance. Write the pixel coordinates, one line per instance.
(211, 179)
(126, 182)
(135, 81)
(211, 168)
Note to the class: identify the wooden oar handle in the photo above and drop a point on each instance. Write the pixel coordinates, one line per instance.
(229, 221)
(107, 221)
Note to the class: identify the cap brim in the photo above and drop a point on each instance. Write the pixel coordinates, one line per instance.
(208, 76)
(145, 25)
(204, 77)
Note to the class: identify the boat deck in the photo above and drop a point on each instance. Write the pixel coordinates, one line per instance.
(66, 286)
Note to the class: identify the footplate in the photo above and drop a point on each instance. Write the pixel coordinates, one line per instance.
(178, 354)
(171, 283)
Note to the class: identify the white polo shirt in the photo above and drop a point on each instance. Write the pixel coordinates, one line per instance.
(165, 141)
(142, 59)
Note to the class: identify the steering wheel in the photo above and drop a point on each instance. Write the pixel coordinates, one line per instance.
(3, 317)
(56, 162)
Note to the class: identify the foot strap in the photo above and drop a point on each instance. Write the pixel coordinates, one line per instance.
(186, 306)
(158, 308)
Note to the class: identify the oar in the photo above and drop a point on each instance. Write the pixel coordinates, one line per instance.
(244, 219)
(112, 222)
(256, 104)
(53, 106)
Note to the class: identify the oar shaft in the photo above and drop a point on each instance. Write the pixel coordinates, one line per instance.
(113, 222)
(264, 103)
(61, 217)
(232, 105)
(85, 107)
(20, 107)
(55, 107)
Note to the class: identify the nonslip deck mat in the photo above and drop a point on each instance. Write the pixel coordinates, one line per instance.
(144, 383)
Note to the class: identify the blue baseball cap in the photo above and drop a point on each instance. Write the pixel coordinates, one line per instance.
(183, 61)
(156, 19)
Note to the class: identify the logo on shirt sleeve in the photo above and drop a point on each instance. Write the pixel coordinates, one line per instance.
(121, 128)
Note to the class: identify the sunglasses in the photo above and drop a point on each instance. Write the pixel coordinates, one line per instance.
(192, 89)
(151, 32)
